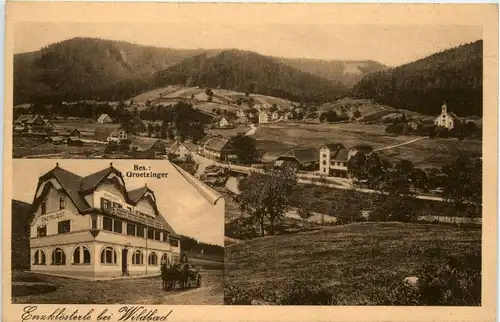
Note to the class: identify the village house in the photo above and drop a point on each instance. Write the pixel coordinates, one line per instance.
(153, 128)
(138, 126)
(223, 123)
(241, 113)
(330, 158)
(94, 226)
(414, 124)
(361, 148)
(447, 119)
(275, 116)
(263, 117)
(179, 151)
(243, 120)
(305, 159)
(104, 118)
(148, 148)
(217, 149)
(33, 124)
(117, 136)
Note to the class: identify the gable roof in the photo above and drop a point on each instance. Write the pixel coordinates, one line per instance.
(341, 155)
(143, 143)
(92, 180)
(302, 155)
(334, 146)
(216, 144)
(103, 117)
(116, 133)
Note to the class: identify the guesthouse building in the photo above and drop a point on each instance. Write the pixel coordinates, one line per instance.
(94, 226)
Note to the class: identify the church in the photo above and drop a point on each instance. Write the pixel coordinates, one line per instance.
(447, 119)
(92, 226)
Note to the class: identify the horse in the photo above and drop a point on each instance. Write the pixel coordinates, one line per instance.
(173, 274)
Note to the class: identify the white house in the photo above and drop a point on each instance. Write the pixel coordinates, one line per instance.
(240, 113)
(447, 119)
(104, 118)
(333, 158)
(223, 122)
(117, 136)
(94, 226)
(263, 117)
(179, 151)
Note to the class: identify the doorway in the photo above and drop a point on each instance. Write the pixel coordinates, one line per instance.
(125, 262)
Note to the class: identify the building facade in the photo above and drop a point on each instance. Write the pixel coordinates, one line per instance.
(92, 226)
(333, 159)
(117, 136)
(447, 119)
(263, 118)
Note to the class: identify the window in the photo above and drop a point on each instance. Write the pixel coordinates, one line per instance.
(39, 258)
(129, 209)
(62, 203)
(81, 251)
(94, 222)
(107, 223)
(324, 155)
(157, 235)
(174, 242)
(153, 259)
(58, 257)
(164, 258)
(41, 231)
(324, 162)
(108, 256)
(44, 208)
(140, 231)
(118, 226)
(105, 204)
(117, 205)
(130, 229)
(151, 233)
(63, 227)
(138, 258)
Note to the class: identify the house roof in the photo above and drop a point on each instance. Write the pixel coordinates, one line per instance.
(334, 146)
(174, 147)
(74, 138)
(103, 117)
(29, 118)
(143, 144)
(116, 133)
(76, 186)
(56, 138)
(302, 155)
(341, 155)
(363, 148)
(216, 144)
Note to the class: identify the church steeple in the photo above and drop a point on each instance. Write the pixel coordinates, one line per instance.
(444, 108)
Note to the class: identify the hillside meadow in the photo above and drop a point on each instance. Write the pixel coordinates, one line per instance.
(265, 268)
(276, 139)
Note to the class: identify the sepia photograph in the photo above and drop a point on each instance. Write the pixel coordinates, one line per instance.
(119, 232)
(251, 159)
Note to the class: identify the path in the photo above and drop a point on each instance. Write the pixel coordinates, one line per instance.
(252, 130)
(400, 144)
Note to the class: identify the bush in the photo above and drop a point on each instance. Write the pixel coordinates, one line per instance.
(457, 282)
(242, 228)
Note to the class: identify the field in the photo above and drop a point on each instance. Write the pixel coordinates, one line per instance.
(31, 147)
(41, 289)
(100, 131)
(332, 256)
(278, 138)
(229, 133)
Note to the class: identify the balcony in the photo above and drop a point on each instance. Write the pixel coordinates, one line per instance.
(128, 215)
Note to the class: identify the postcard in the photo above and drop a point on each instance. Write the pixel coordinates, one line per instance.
(250, 162)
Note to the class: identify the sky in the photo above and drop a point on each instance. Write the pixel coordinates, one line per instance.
(183, 207)
(392, 45)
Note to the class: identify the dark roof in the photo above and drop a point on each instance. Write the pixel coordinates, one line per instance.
(136, 194)
(341, 155)
(302, 155)
(363, 148)
(143, 143)
(334, 146)
(92, 180)
(216, 144)
(71, 184)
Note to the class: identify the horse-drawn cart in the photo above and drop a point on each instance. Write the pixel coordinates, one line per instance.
(185, 275)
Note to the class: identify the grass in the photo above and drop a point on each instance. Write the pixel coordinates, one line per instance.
(71, 291)
(277, 139)
(24, 147)
(229, 133)
(101, 131)
(361, 261)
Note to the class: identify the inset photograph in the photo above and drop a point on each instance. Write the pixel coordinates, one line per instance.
(101, 232)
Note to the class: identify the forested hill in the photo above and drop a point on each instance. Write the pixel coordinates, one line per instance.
(454, 75)
(88, 68)
(247, 71)
(348, 72)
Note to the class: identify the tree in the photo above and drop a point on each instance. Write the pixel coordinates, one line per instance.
(356, 114)
(245, 148)
(356, 166)
(170, 134)
(265, 196)
(150, 129)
